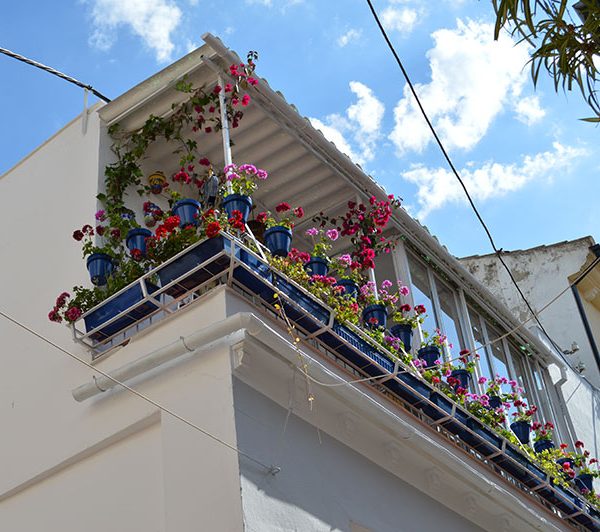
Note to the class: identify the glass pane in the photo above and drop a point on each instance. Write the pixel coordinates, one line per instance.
(421, 291)
(449, 318)
(384, 269)
(479, 342)
(499, 363)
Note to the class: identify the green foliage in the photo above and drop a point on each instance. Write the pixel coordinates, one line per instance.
(565, 49)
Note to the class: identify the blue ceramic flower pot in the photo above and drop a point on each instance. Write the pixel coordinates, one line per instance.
(584, 481)
(350, 287)
(136, 239)
(237, 202)
(404, 332)
(375, 316)
(463, 377)
(99, 266)
(495, 402)
(429, 354)
(278, 240)
(187, 210)
(317, 266)
(543, 445)
(521, 430)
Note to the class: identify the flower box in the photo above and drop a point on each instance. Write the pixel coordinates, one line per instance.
(486, 436)
(179, 268)
(126, 299)
(255, 276)
(302, 304)
(457, 424)
(529, 473)
(410, 388)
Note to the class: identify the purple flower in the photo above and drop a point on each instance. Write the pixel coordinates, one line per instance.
(404, 290)
(313, 231)
(101, 215)
(345, 259)
(332, 234)
(386, 284)
(261, 174)
(482, 380)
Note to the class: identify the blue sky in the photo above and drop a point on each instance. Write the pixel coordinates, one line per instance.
(531, 166)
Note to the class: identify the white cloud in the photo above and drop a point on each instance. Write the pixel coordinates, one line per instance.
(348, 37)
(151, 20)
(473, 78)
(529, 111)
(270, 3)
(362, 121)
(438, 186)
(402, 20)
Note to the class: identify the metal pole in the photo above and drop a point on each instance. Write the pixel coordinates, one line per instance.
(225, 129)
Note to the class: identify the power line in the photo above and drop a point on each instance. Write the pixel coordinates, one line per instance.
(497, 250)
(55, 72)
(271, 469)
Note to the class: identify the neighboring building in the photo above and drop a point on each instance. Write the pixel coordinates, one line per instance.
(573, 321)
(351, 457)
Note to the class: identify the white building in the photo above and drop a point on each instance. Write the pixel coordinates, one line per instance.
(79, 453)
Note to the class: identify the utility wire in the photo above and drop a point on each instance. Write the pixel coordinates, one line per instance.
(271, 469)
(54, 72)
(497, 250)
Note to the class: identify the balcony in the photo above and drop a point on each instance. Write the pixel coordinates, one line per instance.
(226, 260)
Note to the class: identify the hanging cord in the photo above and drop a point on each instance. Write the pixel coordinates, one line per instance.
(271, 469)
(55, 72)
(497, 251)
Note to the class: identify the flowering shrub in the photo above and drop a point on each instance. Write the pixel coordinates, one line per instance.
(364, 224)
(370, 295)
(404, 314)
(244, 179)
(438, 339)
(344, 267)
(285, 216)
(542, 431)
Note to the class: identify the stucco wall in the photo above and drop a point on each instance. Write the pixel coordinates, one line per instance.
(323, 485)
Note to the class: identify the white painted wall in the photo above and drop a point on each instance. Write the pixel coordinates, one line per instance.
(323, 485)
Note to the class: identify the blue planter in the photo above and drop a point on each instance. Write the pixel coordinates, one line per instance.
(463, 377)
(123, 301)
(187, 210)
(179, 268)
(350, 287)
(375, 316)
(238, 202)
(100, 266)
(521, 430)
(429, 354)
(405, 333)
(543, 445)
(136, 239)
(495, 402)
(584, 482)
(317, 266)
(278, 240)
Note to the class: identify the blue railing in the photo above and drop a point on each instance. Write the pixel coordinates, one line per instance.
(183, 278)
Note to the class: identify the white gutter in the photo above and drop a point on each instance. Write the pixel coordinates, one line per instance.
(239, 323)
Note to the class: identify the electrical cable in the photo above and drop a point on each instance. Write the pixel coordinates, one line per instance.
(271, 469)
(55, 72)
(497, 251)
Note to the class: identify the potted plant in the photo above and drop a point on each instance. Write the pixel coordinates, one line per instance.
(375, 302)
(319, 260)
(521, 426)
(238, 187)
(406, 319)
(585, 472)
(462, 374)
(542, 436)
(431, 347)
(348, 274)
(278, 233)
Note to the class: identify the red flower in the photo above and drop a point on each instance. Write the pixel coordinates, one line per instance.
(237, 220)
(54, 316)
(299, 212)
(100, 230)
(283, 207)
(62, 299)
(405, 308)
(217, 89)
(115, 233)
(261, 217)
(204, 161)
(136, 254)
(171, 223)
(245, 100)
(78, 235)
(579, 444)
(73, 314)
(213, 229)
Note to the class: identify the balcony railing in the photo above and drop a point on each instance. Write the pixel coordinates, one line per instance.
(226, 260)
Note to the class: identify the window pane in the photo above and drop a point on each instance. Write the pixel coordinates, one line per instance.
(421, 292)
(479, 343)
(449, 317)
(500, 366)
